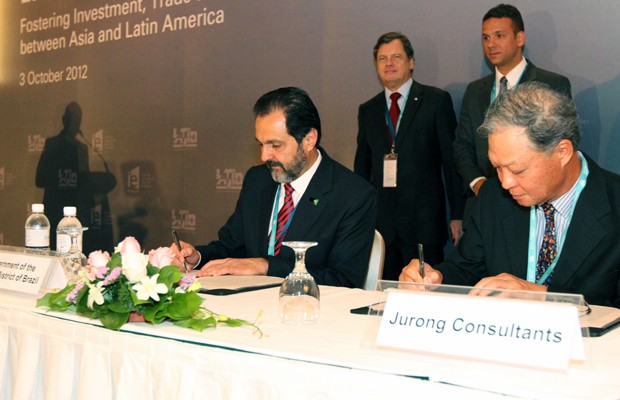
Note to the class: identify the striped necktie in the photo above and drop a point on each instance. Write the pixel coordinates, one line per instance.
(283, 216)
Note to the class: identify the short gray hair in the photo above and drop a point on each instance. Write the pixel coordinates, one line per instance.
(548, 116)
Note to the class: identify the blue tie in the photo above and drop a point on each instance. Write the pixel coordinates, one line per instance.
(548, 249)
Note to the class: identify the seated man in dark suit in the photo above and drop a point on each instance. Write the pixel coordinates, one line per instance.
(551, 222)
(325, 203)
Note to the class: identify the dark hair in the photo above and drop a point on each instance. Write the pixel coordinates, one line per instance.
(389, 37)
(507, 11)
(548, 116)
(72, 118)
(299, 110)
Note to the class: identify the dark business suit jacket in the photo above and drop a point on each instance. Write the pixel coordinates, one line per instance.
(337, 210)
(497, 237)
(471, 151)
(415, 209)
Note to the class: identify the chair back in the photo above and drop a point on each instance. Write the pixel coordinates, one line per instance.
(375, 264)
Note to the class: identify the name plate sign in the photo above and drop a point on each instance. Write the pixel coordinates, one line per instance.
(28, 273)
(533, 333)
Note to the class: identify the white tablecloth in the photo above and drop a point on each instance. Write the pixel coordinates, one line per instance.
(64, 356)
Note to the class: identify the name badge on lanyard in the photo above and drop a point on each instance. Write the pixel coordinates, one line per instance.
(390, 161)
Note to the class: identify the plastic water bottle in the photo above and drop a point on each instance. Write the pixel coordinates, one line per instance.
(69, 243)
(38, 229)
(68, 227)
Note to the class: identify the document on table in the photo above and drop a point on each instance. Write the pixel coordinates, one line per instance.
(601, 320)
(231, 284)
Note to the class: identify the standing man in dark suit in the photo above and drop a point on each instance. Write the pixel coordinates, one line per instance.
(403, 155)
(552, 220)
(299, 194)
(503, 39)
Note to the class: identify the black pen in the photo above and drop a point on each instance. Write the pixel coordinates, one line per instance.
(175, 238)
(421, 258)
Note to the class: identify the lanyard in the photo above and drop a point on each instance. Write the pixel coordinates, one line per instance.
(391, 127)
(274, 222)
(532, 248)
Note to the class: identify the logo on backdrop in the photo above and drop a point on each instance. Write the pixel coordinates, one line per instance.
(138, 179)
(228, 179)
(6, 178)
(184, 138)
(183, 220)
(67, 178)
(36, 143)
(101, 144)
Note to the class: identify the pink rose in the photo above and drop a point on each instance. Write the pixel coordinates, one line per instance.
(98, 258)
(128, 245)
(161, 257)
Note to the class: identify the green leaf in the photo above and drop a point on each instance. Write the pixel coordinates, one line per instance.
(183, 305)
(198, 324)
(169, 275)
(115, 261)
(113, 320)
(56, 301)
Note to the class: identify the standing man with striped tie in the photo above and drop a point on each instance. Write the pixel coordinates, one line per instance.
(503, 40)
(298, 194)
(404, 149)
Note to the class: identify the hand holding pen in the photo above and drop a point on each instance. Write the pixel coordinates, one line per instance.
(175, 238)
(419, 271)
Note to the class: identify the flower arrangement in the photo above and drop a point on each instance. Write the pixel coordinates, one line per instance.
(113, 288)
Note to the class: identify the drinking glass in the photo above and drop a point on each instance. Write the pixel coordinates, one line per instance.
(299, 293)
(74, 260)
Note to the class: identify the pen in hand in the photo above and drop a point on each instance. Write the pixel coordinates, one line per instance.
(421, 258)
(175, 238)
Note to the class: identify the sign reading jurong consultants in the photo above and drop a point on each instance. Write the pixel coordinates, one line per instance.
(532, 333)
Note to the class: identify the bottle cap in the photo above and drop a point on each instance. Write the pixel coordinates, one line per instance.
(38, 208)
(69, 211)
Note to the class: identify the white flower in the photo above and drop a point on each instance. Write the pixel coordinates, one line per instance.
(134, 266)
(148, 287)
(94, 295)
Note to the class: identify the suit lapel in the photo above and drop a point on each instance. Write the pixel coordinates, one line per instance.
(484, 99)
(416, 94)
(585, 231)
(380, 128)
(529, 74)
(516, 227)
(265, 208)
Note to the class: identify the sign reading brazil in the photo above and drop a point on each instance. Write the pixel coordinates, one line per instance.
(512, 331)
(28, 273)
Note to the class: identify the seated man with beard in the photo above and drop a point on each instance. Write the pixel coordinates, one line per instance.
(298, 194)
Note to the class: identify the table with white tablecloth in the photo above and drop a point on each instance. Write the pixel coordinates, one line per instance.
(48, 355)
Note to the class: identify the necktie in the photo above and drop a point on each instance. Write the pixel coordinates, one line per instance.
(548, 249)
(503, 85)
(283, 216)
(394, 110)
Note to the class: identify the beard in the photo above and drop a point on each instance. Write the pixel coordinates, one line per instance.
(292, 171)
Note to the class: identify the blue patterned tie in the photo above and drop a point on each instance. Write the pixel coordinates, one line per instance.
(283, 216)
(548, 249)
